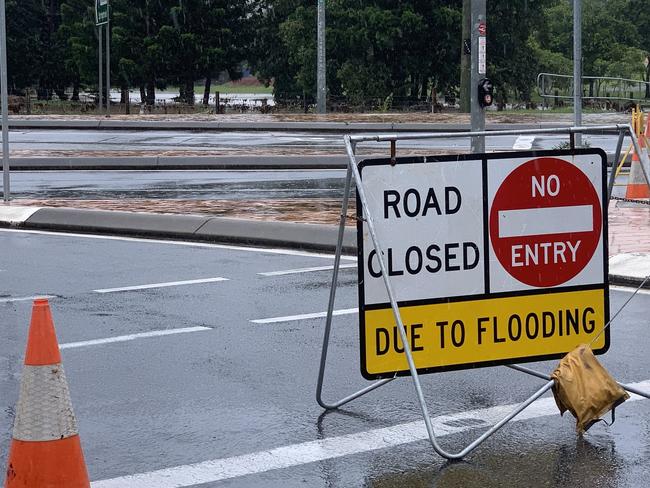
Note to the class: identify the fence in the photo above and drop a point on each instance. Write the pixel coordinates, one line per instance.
(598, 91)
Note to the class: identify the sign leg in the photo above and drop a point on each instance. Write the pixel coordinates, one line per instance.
(330, 309)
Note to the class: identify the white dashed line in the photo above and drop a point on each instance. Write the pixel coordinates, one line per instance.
(291, 318)
(305, 270)
(24, 299)
(131, 337)
(160, 285)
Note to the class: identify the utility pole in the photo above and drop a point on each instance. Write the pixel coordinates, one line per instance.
(100, 91)
(478, 71)
(4, 98)
(321, 89)
(108, 68)
(465, 58)
(101, 19)
(577, 68)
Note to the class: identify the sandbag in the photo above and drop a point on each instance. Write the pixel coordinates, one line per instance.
(584, 388)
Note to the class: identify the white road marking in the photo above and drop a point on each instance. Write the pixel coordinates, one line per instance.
(24, 299)
(333, 447)
(291, 318)
(160, 285)
(625, 289)
(524, 142)
(284, 252)
(305, 270)
(131, 337)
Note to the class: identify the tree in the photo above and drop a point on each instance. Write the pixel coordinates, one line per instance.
(203, 39)
(23, 41)
(78, 33)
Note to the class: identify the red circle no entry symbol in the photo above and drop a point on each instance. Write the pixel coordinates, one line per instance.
(482, 28)
(545, 222)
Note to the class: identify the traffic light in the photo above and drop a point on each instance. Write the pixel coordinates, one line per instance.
(485, 93)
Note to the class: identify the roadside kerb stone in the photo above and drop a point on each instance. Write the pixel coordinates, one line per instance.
(314, 237)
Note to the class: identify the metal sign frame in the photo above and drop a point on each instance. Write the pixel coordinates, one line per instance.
(351, 143)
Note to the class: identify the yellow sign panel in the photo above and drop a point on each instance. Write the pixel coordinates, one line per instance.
(453, 335)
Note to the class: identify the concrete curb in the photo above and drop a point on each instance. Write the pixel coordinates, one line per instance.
(627, 269)
(312, 237)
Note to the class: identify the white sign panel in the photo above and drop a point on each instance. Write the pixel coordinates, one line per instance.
(430, 222)
(482, 56)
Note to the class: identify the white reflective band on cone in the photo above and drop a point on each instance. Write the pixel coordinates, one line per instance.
(44, 410)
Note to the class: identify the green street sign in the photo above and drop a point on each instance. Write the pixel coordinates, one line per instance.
(101, 12)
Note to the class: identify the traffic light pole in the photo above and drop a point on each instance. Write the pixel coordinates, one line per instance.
(108, 68)
(577, 68)
(100, 91)
(5, 102)
(321, 90)
(478, 71)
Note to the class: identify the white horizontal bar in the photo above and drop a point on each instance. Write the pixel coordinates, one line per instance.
(542, 221)
(290, 318)
(24, 299)
(131, 337)
(331, 448)
(160, 285)
(305, 270)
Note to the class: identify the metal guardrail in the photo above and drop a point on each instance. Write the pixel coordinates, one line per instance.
(560, 87)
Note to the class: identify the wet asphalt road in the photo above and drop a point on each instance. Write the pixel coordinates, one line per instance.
(89, 140)
(216, 184)
(237, 387)
(186, 185)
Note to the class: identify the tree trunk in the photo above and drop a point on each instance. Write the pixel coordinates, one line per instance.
(60, 92)
(206, 91)
(151, 93)
(75, 91)
(143, 94)
(189, 91)
(124, 98)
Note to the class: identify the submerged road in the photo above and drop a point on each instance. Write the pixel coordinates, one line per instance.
(187, 184)
(195, 365)
(211, 143)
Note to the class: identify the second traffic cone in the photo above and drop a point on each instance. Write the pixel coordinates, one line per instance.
(637, 186)
(45, 449)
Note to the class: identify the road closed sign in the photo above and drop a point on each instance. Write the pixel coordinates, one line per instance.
(494, 259)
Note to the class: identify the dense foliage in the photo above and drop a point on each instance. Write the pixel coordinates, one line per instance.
(381, 49)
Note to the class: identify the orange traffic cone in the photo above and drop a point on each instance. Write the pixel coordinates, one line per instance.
(45, 450)
(637, 186)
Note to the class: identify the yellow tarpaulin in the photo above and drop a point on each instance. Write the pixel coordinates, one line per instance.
(585, 388)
